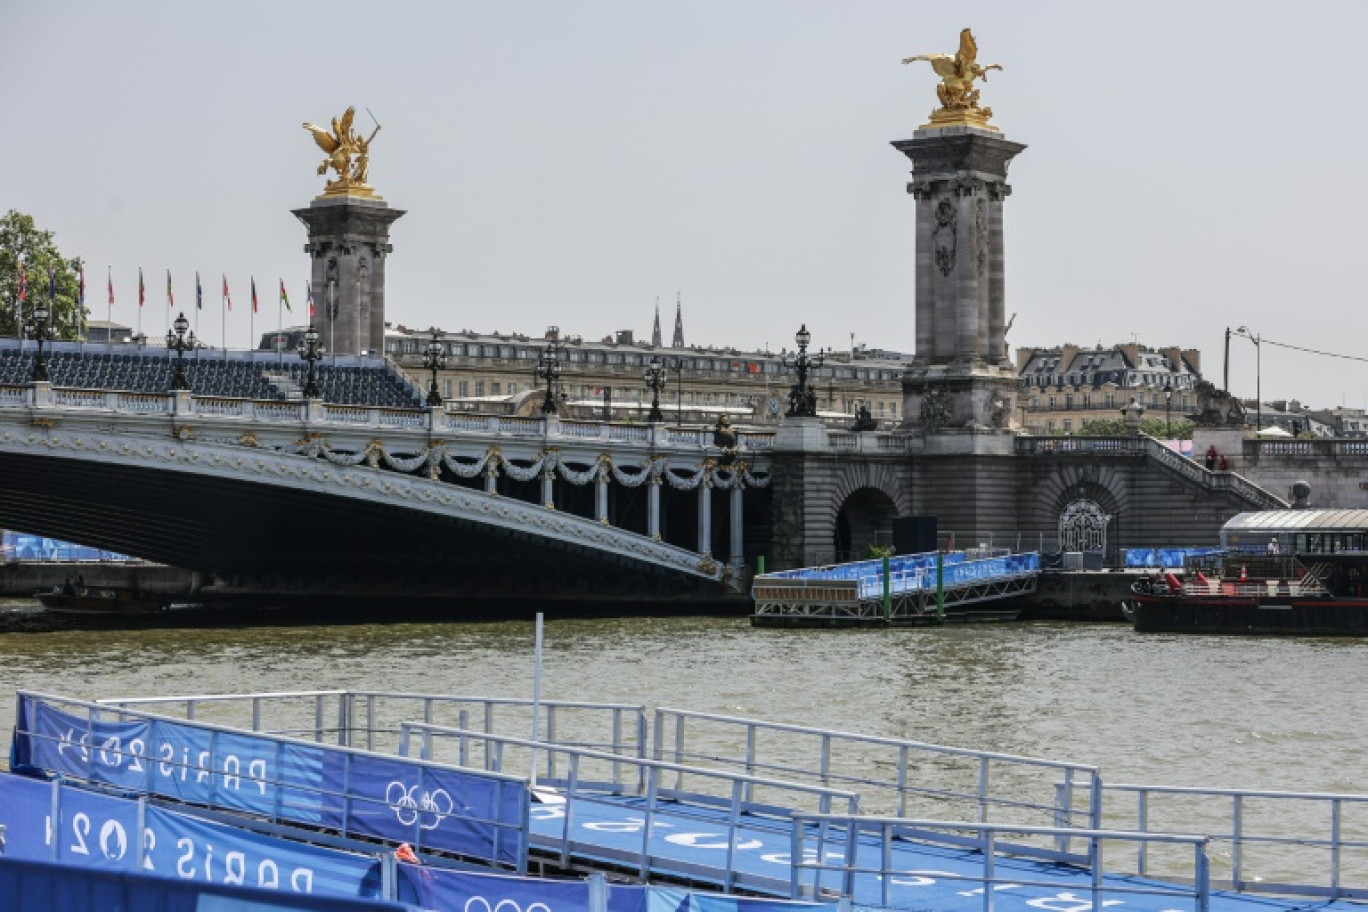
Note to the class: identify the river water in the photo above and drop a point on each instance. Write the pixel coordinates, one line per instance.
(1192, 711)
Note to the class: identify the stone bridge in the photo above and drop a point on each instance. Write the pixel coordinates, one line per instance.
(313, 499)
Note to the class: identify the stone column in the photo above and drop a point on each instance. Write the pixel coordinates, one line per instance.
(997, 275)
(348, 241)
(705, 516)
(601, 495)
(926, 314)
(491, 478)
(548, 487)
(738, 527)
(653, 508)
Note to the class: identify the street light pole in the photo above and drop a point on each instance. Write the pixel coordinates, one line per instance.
(549, 369)
(39, 328)
(655, 381)
(434, 359)
(802, 398)
(1168, 402)
(1258, 374)
(178, 341)
(311, 351)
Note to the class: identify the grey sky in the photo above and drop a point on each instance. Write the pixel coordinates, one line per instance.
(1190, 166)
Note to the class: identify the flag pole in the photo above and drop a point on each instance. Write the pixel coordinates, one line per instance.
(223, 313)
(280, 326)
(109, 329)
(251, 324)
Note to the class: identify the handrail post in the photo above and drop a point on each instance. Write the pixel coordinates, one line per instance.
(1236, 842)
(1335, 808)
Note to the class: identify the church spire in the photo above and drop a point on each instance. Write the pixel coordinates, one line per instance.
(678, 340)
(655, 331)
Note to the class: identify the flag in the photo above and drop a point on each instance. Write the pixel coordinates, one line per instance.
(110, 282)
(308, 296)
(80, 285)
(142, 292)
(284, 298)
(227, 298)
(199, 293)
(23, 281)
(170, 298)
(254, 300)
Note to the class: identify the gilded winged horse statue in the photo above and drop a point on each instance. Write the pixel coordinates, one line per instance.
(958, 97)
(348, 155)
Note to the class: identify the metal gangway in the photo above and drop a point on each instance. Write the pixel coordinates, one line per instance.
(904, 590)
(684, 797)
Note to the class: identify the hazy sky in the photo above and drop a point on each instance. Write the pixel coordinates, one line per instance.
(1191, 166)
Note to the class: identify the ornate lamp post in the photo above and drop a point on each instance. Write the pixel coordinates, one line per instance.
(434, 359)
(178, 341)
(39, 328)
(1168, 403)
(655, 381)
(1258, 373)
(311, 352)
(802, 398)
(549, 369)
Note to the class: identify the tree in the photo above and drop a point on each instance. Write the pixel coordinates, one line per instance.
(1155, 427)
(22, 240)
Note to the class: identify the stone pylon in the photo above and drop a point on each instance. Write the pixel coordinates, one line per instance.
(348, 241)
(959, 392)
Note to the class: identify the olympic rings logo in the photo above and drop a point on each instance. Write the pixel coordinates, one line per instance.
(480, 904)
(427, 809)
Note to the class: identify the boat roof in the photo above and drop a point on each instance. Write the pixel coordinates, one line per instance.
(1272, 521)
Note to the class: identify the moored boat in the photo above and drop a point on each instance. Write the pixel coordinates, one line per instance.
(1281, 572)
(69, 599)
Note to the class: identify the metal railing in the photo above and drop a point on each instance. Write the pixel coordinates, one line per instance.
(989, 786)
(711, 791)
(997, 873)
(1259, 852)
(372, 719)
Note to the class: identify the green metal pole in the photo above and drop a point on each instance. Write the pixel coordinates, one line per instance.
(888, 592)
(940, 585)
(760, 565)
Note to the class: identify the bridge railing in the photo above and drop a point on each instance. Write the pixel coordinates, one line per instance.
(892, 775)
(358, 416)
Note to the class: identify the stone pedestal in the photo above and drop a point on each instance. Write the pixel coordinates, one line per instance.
(961, 382)
(348, 241)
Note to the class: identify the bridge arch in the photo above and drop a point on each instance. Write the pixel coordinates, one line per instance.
(864, 502)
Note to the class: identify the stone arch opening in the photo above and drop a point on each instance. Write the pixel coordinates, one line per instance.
(865, 518)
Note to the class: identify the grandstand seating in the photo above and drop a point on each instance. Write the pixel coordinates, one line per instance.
(211, 375)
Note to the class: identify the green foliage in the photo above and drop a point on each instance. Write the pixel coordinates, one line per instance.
(21, 239)
(1154, 427)
(877, 551)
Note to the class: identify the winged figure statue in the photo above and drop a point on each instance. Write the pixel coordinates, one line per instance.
(957, 73)
(348, 154)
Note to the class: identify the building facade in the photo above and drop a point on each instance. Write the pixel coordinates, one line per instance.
(1064, 388)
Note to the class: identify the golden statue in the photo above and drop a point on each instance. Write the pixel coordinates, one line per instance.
(958, 97)
(348, 156)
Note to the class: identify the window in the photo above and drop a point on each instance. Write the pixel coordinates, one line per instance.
(465, 388)
(446, 388)
(512, 389)
(1087, 401)
(893, 409)
(479, 387)
(1068, 401)
(1111, 400)
(1068, 425)
(1051, 404)
(494, 388)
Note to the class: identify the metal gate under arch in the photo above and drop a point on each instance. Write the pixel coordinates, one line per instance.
(1083, 526)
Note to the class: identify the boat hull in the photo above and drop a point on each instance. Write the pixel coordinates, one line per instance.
(1272, 616)
(100, 601)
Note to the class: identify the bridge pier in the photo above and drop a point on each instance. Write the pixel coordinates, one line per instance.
(737, 558)
(653, 508)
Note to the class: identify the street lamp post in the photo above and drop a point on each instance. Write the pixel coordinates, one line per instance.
(802, 398)
(39, 328)
(434, 359)
(1258, 374)
(1168, 403)
(177, 340)
(311, 351)
(549, 369)
(676, 364)
(655, 381)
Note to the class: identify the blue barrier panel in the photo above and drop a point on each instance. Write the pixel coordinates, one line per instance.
(1163, 558)
(50, 822)
(478, 815)
(38, 885)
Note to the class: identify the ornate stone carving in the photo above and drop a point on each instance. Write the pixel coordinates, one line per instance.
(1216, 408)
(981, 233)
(1000, 411)
(945, 235)
(936, 412)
